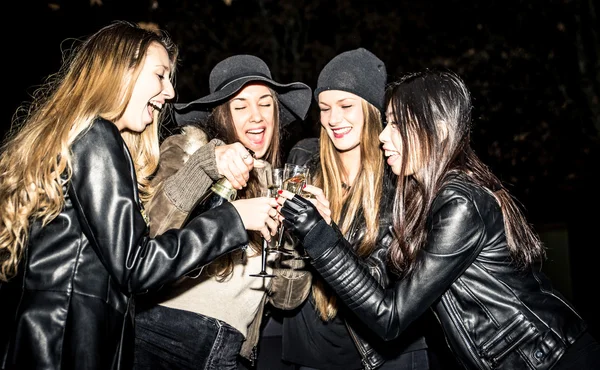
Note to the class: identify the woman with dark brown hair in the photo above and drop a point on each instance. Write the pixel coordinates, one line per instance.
(211, 319)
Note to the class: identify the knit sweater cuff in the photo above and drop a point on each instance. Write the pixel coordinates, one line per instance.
(207, 158)
(194, 178)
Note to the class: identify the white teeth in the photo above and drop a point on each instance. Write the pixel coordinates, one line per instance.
(342, 130)
(258, 131)
(155, 105)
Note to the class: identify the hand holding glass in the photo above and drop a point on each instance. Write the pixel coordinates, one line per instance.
(295, 177)
(265, 175)
(276, 246)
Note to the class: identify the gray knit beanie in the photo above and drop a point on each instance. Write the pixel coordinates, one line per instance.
(356, 71)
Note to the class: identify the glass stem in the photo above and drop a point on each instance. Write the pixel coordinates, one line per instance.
(264, 255)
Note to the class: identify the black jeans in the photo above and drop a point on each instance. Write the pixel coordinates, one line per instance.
(584, 354)
(167, 338)
(415, 360)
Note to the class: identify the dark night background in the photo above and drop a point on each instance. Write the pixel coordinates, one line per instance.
(533, 68)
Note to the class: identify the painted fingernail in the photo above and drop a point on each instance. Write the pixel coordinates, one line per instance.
(303, 186)
(279, 191)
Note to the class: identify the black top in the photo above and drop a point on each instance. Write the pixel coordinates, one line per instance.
(319, 344)
(332, 343)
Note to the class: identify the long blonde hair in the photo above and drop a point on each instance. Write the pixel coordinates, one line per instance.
(362, 200)
(36, 163)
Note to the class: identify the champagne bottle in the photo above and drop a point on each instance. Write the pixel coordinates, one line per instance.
(220, 192)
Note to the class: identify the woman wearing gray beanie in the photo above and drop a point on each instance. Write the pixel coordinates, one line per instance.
(346, 166)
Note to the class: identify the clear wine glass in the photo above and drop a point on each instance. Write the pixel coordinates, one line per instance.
(264, 173)
(295, 177)
(277, 241)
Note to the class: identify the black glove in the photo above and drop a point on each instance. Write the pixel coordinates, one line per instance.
(300, 216)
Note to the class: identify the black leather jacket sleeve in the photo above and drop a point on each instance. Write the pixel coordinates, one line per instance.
(452, 245)
(105, 196)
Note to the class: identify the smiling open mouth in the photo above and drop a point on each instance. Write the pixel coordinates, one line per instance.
(156, 106)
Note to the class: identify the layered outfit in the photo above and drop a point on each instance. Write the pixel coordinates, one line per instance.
(71, 305)
(345, 342)
(203, 322)
(494, 315)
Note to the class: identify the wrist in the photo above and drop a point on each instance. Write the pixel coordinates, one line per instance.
(210, 159)
(319, 238)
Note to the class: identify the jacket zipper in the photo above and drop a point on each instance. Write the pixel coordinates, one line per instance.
(459, 330)
(500, 356)
(253, 356)
(378, 275)
(359, 348)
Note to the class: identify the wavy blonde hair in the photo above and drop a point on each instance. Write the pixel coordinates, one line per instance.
(36, 162)
(362, 200)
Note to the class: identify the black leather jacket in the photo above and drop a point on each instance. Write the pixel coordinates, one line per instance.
(493, 315)
(306, 152)
(70, 306)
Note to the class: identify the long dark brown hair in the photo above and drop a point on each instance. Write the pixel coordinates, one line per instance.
(220, 125)
(431, 111)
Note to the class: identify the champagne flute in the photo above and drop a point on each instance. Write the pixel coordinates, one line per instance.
(264, 173)
(276, 242)
(277, 175)
(295, 177)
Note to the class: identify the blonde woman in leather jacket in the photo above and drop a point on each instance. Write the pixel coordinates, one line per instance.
(463, 248)
(347, 174)
(74, 178)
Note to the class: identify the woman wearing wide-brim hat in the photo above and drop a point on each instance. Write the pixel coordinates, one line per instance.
(213, 319)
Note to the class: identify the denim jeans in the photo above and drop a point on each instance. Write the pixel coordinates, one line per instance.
(167, 338)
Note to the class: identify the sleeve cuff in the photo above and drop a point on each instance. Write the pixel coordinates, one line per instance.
(320, 239)
(205, 157)
(195, 177)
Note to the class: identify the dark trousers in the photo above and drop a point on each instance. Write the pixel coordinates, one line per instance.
(167, 338)
(583, 354)
(414, 360)
(270, 349)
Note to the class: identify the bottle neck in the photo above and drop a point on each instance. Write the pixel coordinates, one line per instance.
(224, 189)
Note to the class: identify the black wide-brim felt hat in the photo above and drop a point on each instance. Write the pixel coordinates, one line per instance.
(229, 76)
